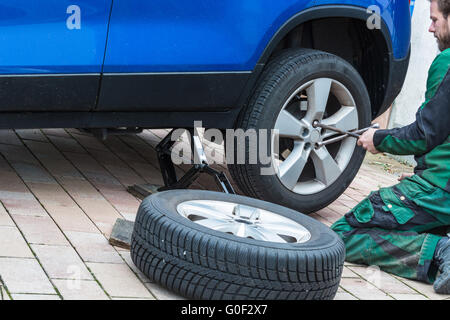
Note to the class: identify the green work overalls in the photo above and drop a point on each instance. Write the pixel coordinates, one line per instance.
(389, 227)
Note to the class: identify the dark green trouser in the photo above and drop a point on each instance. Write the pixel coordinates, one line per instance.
(388, 228)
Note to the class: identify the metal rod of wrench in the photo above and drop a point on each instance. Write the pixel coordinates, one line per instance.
(345, 135)
(324, 126)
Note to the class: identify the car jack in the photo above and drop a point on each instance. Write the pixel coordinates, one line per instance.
(168, 172)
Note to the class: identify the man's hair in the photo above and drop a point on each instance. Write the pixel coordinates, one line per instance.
(444, 7)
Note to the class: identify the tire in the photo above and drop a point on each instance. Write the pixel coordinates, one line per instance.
(202, 263)
(281, 83)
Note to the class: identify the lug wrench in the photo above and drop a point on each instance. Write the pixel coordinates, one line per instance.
(345, 134)
(324, 126)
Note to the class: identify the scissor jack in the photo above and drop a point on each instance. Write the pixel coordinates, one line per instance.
(122, 230)
(171, 182)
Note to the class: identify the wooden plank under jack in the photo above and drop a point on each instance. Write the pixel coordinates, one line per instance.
(142, 191)
(121, 234)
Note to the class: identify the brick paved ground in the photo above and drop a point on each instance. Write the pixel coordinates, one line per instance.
(61, 192)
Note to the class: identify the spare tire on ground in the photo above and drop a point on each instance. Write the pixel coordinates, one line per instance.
(211, 245)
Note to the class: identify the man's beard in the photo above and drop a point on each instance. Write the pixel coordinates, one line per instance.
(444, 40)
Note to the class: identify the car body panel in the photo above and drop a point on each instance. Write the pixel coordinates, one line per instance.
(35, 38)
(193, 36)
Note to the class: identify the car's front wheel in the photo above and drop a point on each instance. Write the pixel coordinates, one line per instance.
(297, 88)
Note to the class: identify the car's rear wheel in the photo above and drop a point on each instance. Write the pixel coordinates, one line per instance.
(297, 88)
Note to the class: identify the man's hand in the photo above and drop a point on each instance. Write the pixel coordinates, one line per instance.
(366, 141)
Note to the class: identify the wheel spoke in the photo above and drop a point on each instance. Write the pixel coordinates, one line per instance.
(345, 118)
(287, 125)
(264, 234)
(318, 94)
(292, 167)
(208, 212)
(218, 225)
(282, 228)
(327, 169)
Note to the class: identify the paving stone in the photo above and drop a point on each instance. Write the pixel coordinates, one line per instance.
(31, 134)
(61, 262)
(15, 195)
(80, 290)
(321, 219)
(40, 230)
(25, 207)
(133, 299)
(87, 197)
(123, 201)
(134, 160)
(162, 293)
(91, 169)
(62, 208)
(119, 169)
(118, 280)
(93, 247)
(9, 137)
(402, 296)
(19, 296)
(348, 273)
(347, 201)
(5, 219)
(66, 144)
(78, 132)
(382, 280)
(336, 206)
(329, 214)
(13, 244)
(70, 218)
(342, 295)
(354, 194)
(140, 146)
(111, 188)
(26, 166)
(3, 294)
(88, 141)
(101, 212)
(53, 160)
(363, 290)
(424, 288)
(56, 132)
(22, 275)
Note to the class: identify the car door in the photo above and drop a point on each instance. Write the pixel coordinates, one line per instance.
(51, 53)
(170, 55)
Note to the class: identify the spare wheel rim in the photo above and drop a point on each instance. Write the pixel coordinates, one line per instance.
(243, 221)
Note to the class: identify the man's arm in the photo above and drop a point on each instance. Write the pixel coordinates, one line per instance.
(431, 128)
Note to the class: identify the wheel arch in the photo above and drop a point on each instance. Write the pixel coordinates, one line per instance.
(372, 48)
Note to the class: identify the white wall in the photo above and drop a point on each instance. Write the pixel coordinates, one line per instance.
(423, 51)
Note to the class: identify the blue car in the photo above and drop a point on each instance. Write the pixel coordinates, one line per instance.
(249, 64)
